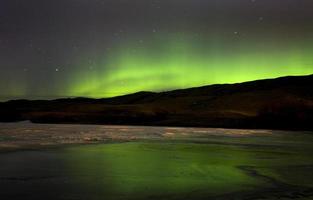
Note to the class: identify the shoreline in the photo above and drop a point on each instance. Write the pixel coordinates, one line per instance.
(31, 136)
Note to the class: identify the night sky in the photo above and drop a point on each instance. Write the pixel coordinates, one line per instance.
(102, 48)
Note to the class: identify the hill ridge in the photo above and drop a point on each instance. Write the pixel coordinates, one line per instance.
(279, 103)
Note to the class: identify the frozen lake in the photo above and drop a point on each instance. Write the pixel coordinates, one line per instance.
(47, 161)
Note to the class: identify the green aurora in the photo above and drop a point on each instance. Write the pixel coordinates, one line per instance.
(98, 48)
(160, 64)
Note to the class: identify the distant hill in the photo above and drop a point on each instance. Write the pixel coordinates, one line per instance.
(281, 103)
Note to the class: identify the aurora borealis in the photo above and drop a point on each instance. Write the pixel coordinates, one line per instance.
(102, 48)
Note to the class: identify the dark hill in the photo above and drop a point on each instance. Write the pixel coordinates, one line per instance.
(282, 103)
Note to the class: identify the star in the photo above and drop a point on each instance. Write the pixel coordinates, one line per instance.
(75, 47)
(56, 69)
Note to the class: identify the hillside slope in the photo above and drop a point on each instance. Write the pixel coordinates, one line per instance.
(282, 103)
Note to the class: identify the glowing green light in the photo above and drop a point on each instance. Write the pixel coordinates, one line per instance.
(170, 63)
